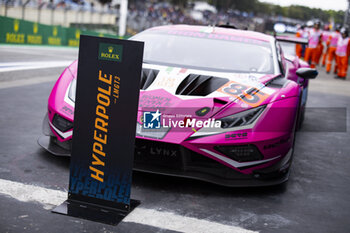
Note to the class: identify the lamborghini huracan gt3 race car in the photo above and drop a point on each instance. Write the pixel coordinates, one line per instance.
(216, 104)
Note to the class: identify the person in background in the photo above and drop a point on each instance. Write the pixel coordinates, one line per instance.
(325, 37)
(305, 35)
(342, 53)
(312, 50)
(298, 47)
(319, 48)
(332, 47)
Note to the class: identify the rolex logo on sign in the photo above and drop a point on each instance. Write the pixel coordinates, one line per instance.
(110, 52)
(35, 28)
(54, 31)
(16, 25)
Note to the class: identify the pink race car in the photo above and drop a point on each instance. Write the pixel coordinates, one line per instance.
(216, 104)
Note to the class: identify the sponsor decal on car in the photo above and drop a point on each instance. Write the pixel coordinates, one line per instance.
(236, 136)
(154, 101)
(166, 81)
(276, 144)
(163, 151)
(67, 110)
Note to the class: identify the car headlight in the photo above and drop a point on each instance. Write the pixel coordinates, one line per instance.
(72, 89)
(61, 123)
(243, 118)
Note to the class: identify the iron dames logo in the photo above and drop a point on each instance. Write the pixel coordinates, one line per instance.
(151, 120)
(110, 52)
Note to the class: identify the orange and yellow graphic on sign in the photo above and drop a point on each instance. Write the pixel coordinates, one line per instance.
(247, 94)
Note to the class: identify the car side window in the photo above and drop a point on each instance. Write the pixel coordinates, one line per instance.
(279, 58)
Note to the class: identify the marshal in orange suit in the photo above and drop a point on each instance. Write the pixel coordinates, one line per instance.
(332, 43)
(312, 51)
(342, 53)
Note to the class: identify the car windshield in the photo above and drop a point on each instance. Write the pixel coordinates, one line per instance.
(230, 54)
(288, 48)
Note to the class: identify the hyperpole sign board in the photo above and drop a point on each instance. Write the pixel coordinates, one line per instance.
(107, 95)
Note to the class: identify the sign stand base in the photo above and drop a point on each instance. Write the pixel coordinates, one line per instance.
(93, 212)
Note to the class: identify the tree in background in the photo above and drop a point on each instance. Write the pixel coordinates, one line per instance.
(293, 11)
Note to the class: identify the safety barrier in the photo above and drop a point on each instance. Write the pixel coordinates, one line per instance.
(16, 31)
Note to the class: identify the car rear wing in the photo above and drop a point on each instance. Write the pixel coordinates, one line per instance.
(292, 39)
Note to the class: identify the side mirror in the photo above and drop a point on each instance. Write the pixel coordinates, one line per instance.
(307, 73)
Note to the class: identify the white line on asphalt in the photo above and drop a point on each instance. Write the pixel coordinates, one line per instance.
(18, 47)
(26, 82)
(175, 222)
(150, 217)
(16, 66)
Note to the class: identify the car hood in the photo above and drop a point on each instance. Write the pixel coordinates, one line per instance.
(181, 90)
(179, 94)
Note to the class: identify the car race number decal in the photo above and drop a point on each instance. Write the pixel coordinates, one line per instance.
(247, 94)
